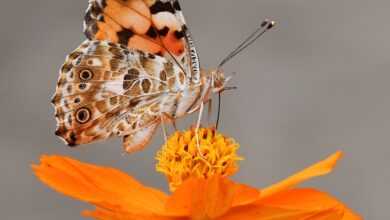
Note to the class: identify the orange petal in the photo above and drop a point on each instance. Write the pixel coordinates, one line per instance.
(244, 195)
(303, 204)
(105, 214)
(201, 198)
(351, 215)
(105, 187)
(319, 169)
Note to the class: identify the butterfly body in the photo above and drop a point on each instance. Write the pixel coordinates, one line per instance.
(138, 69)
(106, 89)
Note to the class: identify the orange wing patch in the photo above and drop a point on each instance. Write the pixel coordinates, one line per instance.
(147, 25)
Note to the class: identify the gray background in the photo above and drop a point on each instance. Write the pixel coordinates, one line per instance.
(317, 83)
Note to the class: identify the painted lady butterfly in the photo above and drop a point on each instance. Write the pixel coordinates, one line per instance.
(138, 68)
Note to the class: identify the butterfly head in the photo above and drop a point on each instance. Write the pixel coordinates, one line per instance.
(218, 80)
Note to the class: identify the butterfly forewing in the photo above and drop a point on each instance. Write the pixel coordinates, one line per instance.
(154, 26)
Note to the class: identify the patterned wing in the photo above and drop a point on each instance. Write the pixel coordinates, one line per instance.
(105, 90)
(138, 140)
(154, 26)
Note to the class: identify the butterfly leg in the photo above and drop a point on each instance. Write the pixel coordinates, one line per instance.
(164, 130)
(174, 125)
(197, 128)
(209, 110)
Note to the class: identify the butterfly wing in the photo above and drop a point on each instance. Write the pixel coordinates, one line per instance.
(105, 90)
(154, 26)
(138, 140)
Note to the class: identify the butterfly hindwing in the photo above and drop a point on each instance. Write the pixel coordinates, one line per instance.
(105, 90)
(138, 140)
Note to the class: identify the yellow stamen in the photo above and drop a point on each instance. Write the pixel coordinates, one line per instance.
(180, 159)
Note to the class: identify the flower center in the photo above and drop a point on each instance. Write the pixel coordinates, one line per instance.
(181, 157)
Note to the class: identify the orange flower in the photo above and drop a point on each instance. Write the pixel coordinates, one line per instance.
(180, 158)
(118, 196)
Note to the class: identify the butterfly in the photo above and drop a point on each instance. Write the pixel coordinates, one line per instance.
(138, 68)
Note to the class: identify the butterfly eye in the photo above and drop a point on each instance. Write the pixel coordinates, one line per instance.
(83, 115)
(86, 74)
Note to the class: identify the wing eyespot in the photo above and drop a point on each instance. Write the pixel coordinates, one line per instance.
(82, 86)
(86, 74)
(83, 115)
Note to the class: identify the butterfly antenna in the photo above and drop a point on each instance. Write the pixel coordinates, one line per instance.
(265, 26)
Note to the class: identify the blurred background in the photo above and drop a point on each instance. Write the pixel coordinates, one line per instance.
(317, 83)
